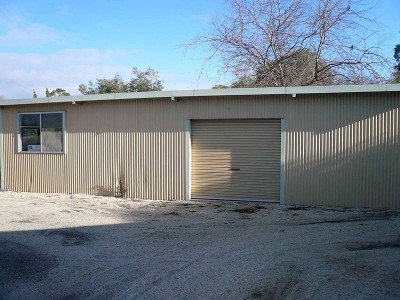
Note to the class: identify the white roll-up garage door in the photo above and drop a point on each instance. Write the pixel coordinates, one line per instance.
(236, 159)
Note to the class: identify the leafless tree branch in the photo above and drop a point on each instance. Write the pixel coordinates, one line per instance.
(297, 42)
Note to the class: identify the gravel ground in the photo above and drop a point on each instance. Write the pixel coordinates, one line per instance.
(88, 247)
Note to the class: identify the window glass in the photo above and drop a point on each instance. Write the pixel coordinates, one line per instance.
(30, 120)
(41, 132)
(52, 133)
(30, 137)
(52, 141)
(52, 121)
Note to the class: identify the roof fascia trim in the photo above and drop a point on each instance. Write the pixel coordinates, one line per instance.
(373, 88)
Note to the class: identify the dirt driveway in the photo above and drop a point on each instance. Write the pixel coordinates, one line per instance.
(86, 247)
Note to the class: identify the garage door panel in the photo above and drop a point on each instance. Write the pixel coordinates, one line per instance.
(259, 170)
(253, 158)
(236, 159)
(239, 165)
(233, 194)
(231, 177)
(235, 190)
(229, 180)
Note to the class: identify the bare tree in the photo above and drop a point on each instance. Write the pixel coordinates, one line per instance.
(297, 42)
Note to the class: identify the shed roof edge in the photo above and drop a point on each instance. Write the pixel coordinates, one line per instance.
(336, 89)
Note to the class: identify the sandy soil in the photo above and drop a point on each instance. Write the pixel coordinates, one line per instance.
(87, 247)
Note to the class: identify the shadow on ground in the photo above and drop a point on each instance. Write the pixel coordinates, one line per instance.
(207, 250)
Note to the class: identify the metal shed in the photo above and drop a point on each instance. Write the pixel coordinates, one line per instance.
(328, 146)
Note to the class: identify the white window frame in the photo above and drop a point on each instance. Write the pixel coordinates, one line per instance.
(41, 143)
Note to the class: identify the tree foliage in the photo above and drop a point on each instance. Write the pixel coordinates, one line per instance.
(396, 74)
(104, 86)
(220, 87)
(296, 42)
(54, 93)
(141, 81)
(59, 92)
(144, 81)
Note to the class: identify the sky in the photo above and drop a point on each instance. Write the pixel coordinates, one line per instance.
(65, 43)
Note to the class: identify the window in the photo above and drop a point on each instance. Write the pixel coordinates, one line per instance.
(41, 132)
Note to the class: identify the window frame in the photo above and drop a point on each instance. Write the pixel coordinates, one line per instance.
(64, 144)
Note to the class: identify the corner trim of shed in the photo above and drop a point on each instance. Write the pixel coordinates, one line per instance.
(188, 160)
(1, 151)
(283, 152)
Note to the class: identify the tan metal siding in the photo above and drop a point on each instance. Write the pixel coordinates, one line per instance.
(236, 159)
(106, 143)
(340, 149)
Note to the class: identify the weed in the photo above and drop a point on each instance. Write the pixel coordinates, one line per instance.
(245, 210)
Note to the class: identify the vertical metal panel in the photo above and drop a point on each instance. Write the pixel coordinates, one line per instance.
(340, 149)
(188, 159)
(1, 151)
(283, 159)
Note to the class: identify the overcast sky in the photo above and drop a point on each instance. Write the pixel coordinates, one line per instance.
(64, 43)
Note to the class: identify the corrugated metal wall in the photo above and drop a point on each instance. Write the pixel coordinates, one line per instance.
(340, 149)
